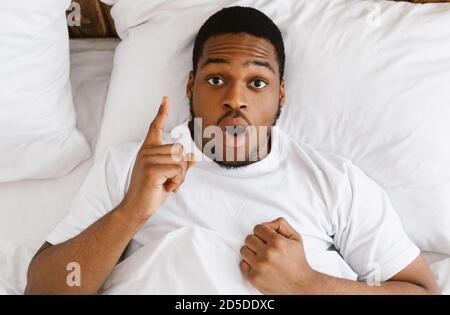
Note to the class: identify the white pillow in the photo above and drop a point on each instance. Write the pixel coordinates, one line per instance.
(368, 80)
(38, 137)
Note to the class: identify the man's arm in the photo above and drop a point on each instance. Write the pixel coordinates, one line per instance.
(96, 250)
(416, 278)
(158, 171)
(274, 262)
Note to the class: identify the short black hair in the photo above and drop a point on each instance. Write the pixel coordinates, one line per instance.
(237, 20)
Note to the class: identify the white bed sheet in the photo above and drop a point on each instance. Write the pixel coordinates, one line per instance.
(30, 209)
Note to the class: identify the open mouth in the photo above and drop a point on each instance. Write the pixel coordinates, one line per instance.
(235, 131)
(235, 136)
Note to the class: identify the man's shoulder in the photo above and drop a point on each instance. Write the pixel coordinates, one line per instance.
(327, 171)
(320, 158)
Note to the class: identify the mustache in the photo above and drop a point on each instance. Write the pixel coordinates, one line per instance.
(275, 120)
(233, 114)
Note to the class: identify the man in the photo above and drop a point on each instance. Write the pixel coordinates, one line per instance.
(295, 198)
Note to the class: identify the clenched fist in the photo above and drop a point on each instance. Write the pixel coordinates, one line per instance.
(273, 259)
(158, 171)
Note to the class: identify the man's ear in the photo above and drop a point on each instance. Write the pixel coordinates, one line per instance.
(282, 94)
(190, 85)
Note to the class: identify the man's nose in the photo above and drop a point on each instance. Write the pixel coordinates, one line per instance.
(235, 97)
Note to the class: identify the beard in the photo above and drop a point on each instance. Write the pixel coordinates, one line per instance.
(232, 164)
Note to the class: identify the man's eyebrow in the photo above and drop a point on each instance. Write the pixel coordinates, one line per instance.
(260, 63)
(214, 60)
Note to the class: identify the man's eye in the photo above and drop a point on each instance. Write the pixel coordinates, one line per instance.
(258, 84)
(215, 81)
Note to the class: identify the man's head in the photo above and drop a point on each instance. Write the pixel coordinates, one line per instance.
(237, 82)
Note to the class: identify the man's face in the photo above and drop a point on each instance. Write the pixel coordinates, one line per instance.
(237, 88)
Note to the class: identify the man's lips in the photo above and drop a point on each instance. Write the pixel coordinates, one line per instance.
(234, 125)
(235, 131)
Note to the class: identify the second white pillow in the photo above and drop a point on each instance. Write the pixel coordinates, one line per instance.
(38, 136)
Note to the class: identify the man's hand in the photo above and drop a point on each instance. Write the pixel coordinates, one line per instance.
(274, 259)
(274, 262)
(158, 170)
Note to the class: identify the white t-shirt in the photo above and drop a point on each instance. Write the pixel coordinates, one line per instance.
(327, 199)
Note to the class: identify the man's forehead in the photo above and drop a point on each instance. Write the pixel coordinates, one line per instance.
(239, 45)
(228, 47)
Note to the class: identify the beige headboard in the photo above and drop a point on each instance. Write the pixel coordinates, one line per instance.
(96, 20)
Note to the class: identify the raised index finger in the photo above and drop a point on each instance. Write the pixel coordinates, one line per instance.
(156, 129)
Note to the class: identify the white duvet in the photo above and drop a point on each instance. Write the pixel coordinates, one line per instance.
(14, 263)
(187, 261)
(194, 260)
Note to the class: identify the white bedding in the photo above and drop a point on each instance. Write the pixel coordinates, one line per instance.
(196, 260)
(186, 261)
(200, 261)
(38, 138)
(30, 210)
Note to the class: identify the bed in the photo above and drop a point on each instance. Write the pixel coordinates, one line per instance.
(28, 220)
